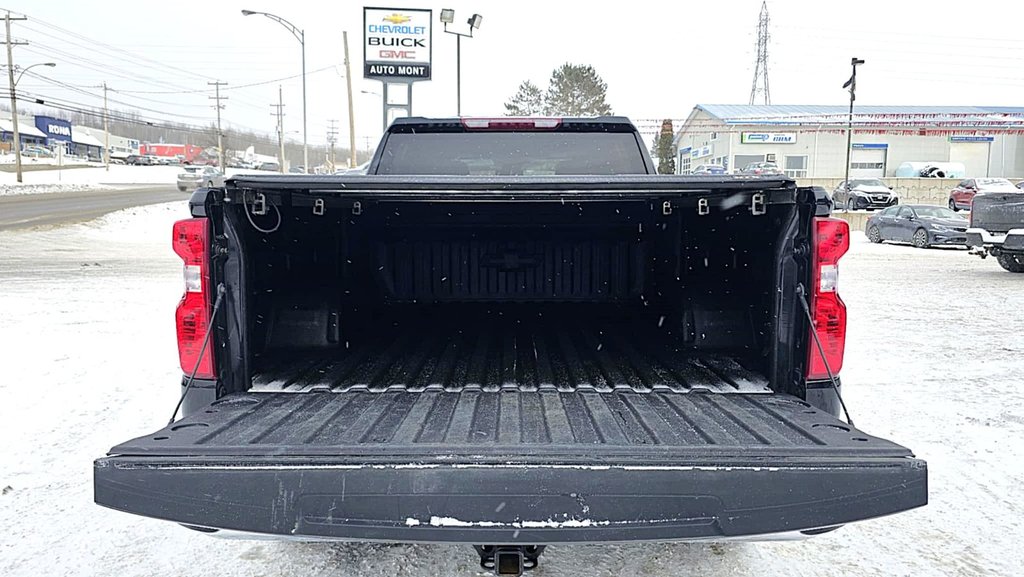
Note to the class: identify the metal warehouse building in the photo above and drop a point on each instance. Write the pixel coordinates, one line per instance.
(810, 141)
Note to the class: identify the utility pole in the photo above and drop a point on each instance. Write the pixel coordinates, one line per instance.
(351, 115)
(14, 99)
(332, 137)
(220, 133)
(106, 132)
(852, 85)
(280, 127)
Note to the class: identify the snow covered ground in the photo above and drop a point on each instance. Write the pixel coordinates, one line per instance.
(935, 359)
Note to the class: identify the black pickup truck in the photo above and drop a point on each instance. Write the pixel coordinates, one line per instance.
(511, 333)
(997, 228)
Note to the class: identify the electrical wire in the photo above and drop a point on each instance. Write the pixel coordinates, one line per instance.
(245, 208)
(202, 349)
(802, 294)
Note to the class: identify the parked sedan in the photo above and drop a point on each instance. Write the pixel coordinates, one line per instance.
(709, 169)
(921, 225)
(37, 152)
(195, 176)
(961, 196)
(761, 168)
(864, 193)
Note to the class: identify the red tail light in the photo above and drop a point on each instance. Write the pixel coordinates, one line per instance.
(191, 242)
(831, 241)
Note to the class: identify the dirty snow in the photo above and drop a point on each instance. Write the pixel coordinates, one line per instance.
(88, 351)
(12, 189)
(96, 176)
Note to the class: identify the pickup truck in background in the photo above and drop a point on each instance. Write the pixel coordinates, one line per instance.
(997, 228)
(511, 333)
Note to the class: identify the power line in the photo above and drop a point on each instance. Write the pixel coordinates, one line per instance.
(135, 106)
(113, 50)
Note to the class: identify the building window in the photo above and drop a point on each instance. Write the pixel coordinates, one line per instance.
(714, 136)
(796, 166)
(684, 164)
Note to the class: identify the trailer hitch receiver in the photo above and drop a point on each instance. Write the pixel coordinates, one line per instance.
(509, 560)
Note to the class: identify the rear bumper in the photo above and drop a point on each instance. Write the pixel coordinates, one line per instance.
(1012, 241)
(501, 503)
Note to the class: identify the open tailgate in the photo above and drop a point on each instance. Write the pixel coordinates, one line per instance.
(511, 467)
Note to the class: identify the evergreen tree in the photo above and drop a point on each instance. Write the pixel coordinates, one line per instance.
(576, 90)
(664, 149)
(527, 101)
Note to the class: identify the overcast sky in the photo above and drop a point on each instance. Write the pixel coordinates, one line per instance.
(658, 58)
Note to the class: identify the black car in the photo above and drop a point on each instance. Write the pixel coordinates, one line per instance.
(922, 225)
(864, 193)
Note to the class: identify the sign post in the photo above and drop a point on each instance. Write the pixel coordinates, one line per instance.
(397, 51)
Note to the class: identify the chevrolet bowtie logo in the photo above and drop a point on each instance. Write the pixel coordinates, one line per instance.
(397, 18)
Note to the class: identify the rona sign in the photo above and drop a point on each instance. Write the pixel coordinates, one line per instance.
(768, 137)
(396, 44)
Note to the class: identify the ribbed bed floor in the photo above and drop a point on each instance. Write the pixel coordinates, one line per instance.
(508, 354)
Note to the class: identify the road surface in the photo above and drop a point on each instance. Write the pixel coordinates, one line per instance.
(32, 210)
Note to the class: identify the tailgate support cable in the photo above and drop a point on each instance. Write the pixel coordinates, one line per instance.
(802, 295)
(202, 349)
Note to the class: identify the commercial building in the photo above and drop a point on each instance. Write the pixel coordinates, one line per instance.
(28, 133)
(120, 147)
(811, 141)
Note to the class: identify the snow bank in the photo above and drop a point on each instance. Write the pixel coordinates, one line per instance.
(89, 358)
(12, 189)
(96, 176)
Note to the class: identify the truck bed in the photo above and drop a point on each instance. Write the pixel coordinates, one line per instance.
(547, 352)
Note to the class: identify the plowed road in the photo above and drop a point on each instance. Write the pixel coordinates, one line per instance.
(32, 210)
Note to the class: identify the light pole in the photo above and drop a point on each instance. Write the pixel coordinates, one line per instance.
(383, 104)
(852, 85)
(447, 17)
(16, 142)
(299, 35)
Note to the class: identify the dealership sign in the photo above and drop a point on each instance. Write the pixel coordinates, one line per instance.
(972, 138)
(396, 44)
(768, 137)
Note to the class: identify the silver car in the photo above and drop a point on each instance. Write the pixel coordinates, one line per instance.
(195, 176)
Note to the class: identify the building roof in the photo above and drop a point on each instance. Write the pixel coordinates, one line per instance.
(25, 128)
(830, 113)
(80, 137)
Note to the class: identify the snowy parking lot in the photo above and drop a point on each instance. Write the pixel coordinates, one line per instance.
(935, 359)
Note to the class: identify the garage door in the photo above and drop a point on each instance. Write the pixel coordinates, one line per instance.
(974, 156)
(867, 162)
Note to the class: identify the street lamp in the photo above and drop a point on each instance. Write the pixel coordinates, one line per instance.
(300, 35)
(852, 85)
(16, 143)
(448, 17)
